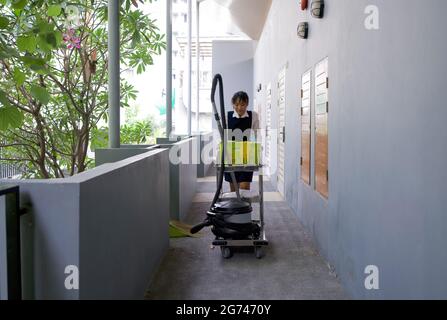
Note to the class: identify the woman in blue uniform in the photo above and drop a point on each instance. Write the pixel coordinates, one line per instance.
(247, 122)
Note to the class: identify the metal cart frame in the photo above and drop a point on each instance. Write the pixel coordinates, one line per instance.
(257, 243)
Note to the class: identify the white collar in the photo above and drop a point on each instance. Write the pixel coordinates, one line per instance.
(236, 115)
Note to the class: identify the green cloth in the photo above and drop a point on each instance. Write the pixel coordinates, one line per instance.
(178, 229)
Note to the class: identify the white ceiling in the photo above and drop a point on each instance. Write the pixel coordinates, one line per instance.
(248, 15)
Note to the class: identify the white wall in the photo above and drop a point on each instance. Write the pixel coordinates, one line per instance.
(234, 61)
(387, 138)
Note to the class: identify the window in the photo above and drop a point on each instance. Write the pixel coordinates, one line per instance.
(321, 128)
(305, 127)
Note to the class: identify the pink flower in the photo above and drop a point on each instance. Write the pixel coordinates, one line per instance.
(73, 41)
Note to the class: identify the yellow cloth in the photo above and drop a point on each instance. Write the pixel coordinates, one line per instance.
(241, 153)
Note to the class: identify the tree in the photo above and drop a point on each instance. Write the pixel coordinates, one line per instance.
(53, 77)
(136, 132)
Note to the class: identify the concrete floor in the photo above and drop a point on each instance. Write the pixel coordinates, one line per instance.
(291, 269)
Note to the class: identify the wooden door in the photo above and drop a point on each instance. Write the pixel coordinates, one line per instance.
(305, 159)
(321, 128)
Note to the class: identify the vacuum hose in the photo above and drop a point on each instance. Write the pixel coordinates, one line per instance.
(222, 126)
(200, 226)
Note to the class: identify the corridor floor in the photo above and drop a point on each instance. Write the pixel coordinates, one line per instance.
(291, 269)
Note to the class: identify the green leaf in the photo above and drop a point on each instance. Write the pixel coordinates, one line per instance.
(59, 38)
(32, 44)
(27, 43)
(35, 64)
(3, 100)
(99, 139)
(3, 55)
(136, 39)
(39, 69)
(19, 77)
(43, 26)
(10, 51)
(22, 43)
(43, 43)
(19, 4)
(54, 10)
(33, 61)
(41, 94)
(4, 23)
(51, 39)
(10, 117)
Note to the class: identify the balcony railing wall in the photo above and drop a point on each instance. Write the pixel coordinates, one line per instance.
(110, 222)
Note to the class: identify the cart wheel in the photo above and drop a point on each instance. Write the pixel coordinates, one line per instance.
(259, 252)
(226, 252)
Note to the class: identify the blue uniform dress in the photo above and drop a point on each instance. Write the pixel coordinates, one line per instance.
(242, 124)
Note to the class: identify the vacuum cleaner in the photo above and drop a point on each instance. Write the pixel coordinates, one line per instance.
(230, 219)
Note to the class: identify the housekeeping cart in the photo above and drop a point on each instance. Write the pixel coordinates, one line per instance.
(258, 242)
(230, 217)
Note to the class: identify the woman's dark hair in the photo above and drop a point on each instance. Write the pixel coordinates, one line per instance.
(240, 96)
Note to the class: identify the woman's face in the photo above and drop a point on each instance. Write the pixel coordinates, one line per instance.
(240, 107)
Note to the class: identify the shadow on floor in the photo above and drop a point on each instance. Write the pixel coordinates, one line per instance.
(291, 269)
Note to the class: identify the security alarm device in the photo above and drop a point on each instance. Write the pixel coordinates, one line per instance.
(303, 30)
(317, 9)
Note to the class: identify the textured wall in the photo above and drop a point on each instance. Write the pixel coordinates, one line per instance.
(387, 138)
